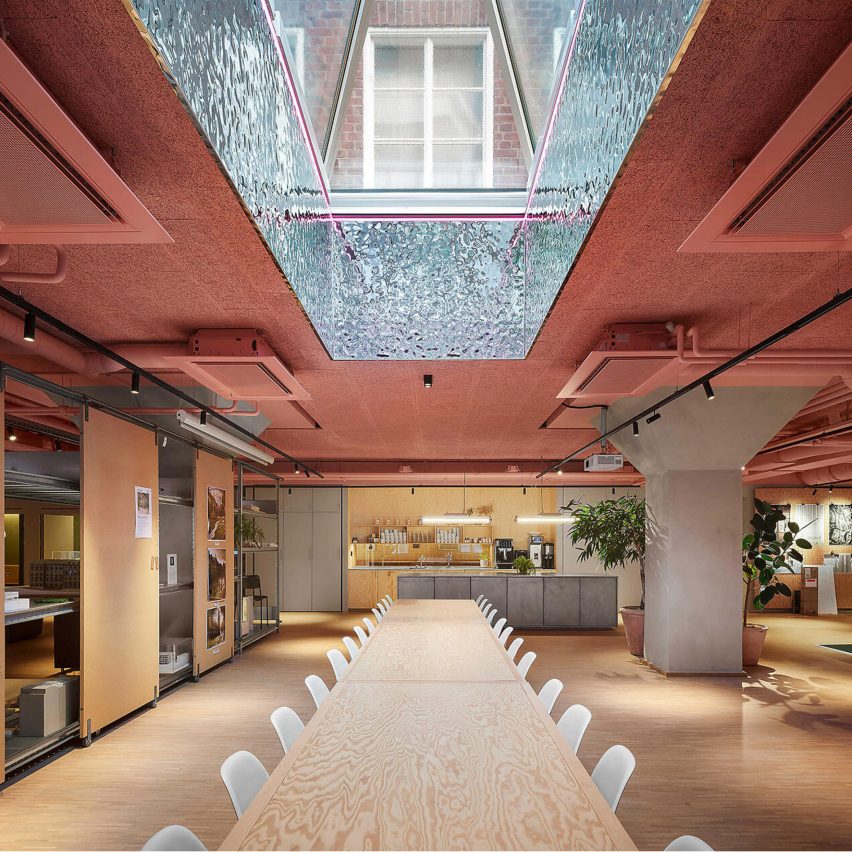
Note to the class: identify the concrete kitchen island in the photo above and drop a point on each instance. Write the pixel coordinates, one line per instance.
(549, 601)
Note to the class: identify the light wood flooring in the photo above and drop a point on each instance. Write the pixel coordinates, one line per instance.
(755, 763)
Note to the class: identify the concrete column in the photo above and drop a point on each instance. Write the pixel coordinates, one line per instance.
(692, 459)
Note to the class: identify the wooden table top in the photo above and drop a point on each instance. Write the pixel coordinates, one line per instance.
(430, 754)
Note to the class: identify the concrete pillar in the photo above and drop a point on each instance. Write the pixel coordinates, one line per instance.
(692, 459)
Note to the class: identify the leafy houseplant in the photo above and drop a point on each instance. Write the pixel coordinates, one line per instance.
(764, 554)
(249, 531)
(523, 565)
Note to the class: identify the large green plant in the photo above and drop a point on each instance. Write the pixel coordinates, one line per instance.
(523, 565)
(766, 552)
(613, 531)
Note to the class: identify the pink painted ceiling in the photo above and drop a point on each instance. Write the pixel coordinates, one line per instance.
(748, 66)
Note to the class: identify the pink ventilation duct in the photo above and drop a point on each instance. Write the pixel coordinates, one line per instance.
(55, 277)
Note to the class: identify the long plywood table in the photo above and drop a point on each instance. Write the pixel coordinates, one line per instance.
(431, 741)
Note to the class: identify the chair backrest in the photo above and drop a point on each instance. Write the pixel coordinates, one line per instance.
(287, 725)
(174, 837)
(572, 725)
(549, 693)
(505, 635)
(479, 600)
(362, 636)
(487, 608)
(513, 648)
(491, 616)
(316, 686)
(243, 775)
(526, 661)
(613, 772)
(499, 625)
(378, 615)
(482, 603)
(251, 581)
(687, 843)
(370, 626)
(388, 600)
(349, 642)
(382, 606)
(338, 662)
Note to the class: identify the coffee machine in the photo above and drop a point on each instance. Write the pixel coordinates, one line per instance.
(504, 552)
(537, 550)
(548, 556)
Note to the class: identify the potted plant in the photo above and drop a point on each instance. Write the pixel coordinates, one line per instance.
(613, 531)
(483, 556)
(249, 532)
(523, 565)
(765, 553)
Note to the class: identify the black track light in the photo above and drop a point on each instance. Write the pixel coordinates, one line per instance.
(708, 390)
(290, 491)
(635, 428)
(134, 384)
(813, 493)
(30, 327)
(525, 490)
(307, 474)
(559, 472)
(830, 488)
(655, 416)
(57, 445)
(412, 490)
(10, 434)
(427, 380)
(203, 418)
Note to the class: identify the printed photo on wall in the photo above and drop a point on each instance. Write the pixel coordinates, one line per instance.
(216, 573)
(144, 517)
(215, 513)
(839, 524)
(215, 626)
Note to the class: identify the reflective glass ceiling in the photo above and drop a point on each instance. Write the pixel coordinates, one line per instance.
(435, 285)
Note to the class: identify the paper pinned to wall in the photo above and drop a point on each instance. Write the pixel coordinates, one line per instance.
(144, 516)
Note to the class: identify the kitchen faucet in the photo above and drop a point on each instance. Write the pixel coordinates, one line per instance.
(449, 559)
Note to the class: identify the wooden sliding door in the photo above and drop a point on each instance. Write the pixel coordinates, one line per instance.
(214, 561)
(120, 575)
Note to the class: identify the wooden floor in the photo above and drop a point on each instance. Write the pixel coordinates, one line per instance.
(757, 763)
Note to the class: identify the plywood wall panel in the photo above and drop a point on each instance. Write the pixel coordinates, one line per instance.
(120, 574)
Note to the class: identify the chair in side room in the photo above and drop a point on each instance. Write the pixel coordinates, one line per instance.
(338, 662)
(613, 772)
(251, 583)
(478, 601)
(688, 843)
(504, 636)
(499, 625)
(243, 775)
(371, 628)
(549, 693)
(513, 648)
(287, 725)
(378, 615)
(316, 686)
(526, 661)
(572, 725)
(362, 636)
(174, 838)
(491, 616)
(349, 642)
(486, 609)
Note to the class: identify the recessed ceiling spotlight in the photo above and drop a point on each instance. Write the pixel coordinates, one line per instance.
(30, 327)
(427, 380)
(708, 390)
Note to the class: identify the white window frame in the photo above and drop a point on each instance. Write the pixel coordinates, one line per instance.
(291, 36)
(426, 38)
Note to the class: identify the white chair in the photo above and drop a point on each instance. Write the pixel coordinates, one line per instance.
(379, 615)
(499, 625)
(316, 686)
(383, 607)
(572, 725)
(526, 661)
(513, 648)
(505, 635)
(243, 775)
(338, 662)
(174, 838)
(362, 636)
(349, 642)
(549, 693)
(684, 843)
(389, 600)
(486, 609)
(287, 725)
(371, 628)
(491, 616)
(613, 772)
(479, 600)
(482, 604)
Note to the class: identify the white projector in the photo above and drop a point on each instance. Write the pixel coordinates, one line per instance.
(601, 462)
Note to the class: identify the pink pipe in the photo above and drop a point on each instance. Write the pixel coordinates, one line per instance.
(55, 277)
(805, 354)
(813, 433)
(37, 411)
(51, 348)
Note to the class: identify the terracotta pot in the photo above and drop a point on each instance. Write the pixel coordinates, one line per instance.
(634, 629)
(753, 638)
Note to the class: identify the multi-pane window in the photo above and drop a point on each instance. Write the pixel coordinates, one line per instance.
(428, 109)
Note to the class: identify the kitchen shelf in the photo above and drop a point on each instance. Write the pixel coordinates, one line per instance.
(251, 513)
(176, 587)
(174, 500)
(40, 611)
(266, 549)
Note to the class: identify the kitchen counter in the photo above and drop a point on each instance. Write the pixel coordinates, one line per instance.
(443, 569)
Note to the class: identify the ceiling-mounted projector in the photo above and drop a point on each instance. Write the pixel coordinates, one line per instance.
(600, 462)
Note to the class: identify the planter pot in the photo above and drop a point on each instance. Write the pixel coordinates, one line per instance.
(483, 563)
(634, 629)
(753, 638)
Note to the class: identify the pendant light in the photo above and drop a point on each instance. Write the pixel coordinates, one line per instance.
(544, 517)
(456, 517)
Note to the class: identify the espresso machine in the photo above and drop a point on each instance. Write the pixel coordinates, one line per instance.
(548, 556)
(504, 552)
(537, 550)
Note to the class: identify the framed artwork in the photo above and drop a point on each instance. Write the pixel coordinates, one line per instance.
(216, 529)
(215, 626)
(840, 524)
(216, 573)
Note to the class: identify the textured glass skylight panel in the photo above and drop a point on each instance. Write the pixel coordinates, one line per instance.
(222, 56)
(622, 53)
(430, 290)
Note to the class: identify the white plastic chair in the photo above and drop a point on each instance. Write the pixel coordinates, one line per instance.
(491, 616)
(549, 693)
(349, 642)
(362, 636)
(174, 838)
(482, 604)
(505, 635)
(243, 775)
(513, 648)
(486, 609)
(389, 600)
(338, 662)
(613, 772)
(371, 628)
(479, 600)
(572, 725)
(316, 686)
(287, 725)
(686, 843)
(526, 661)
(382, 606)
(499, 625)
(378, 614)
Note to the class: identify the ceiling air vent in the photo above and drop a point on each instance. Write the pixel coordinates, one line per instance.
(796, 194)
(54, 185)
